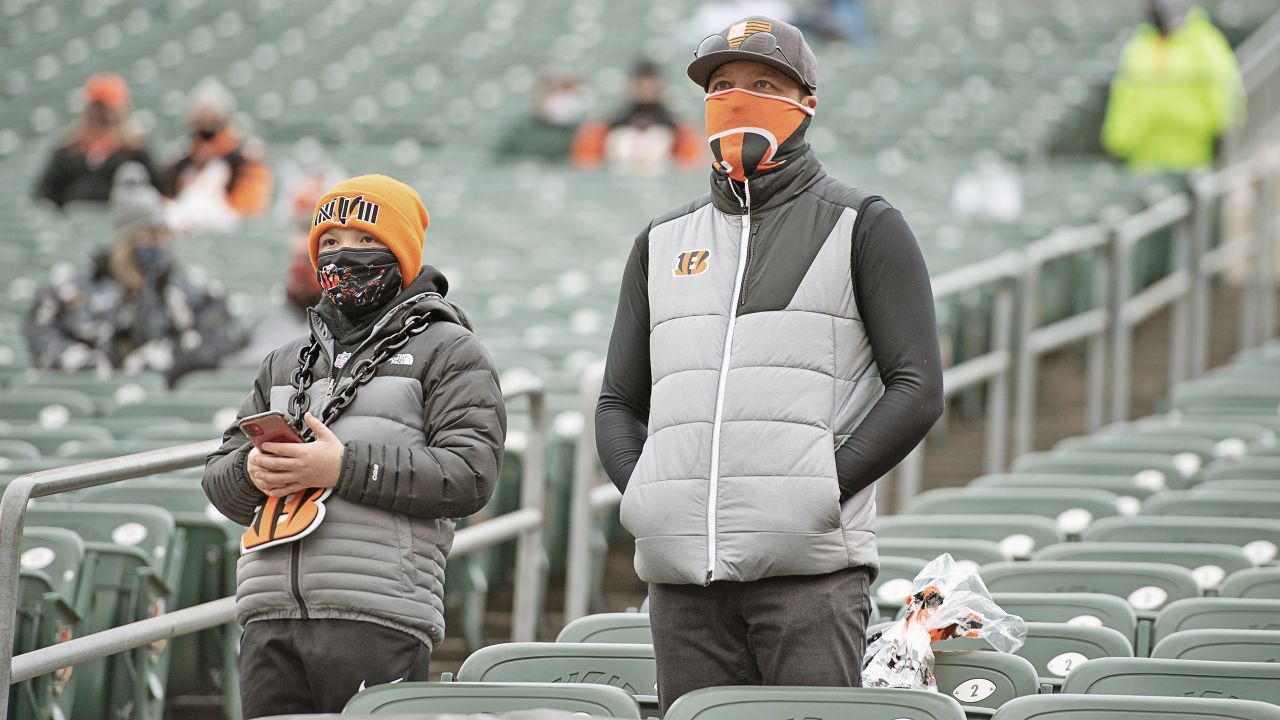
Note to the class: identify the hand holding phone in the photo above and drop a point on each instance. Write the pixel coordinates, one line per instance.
(267, 427)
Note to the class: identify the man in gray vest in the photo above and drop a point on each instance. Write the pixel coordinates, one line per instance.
(774, 353)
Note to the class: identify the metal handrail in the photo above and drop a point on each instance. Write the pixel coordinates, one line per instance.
(524, 525)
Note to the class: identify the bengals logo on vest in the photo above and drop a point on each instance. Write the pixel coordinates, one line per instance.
(282, 520)
(693, 262)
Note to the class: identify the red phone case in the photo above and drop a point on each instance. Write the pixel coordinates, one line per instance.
(268, 427)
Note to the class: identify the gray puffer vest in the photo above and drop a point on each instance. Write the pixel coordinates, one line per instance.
(761, 368)
(423, 442)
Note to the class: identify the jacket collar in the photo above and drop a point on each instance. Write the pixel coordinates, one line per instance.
(427, 290)
(768, 190)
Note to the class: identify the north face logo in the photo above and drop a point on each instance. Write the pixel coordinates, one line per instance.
(693, 262)
(342, 209)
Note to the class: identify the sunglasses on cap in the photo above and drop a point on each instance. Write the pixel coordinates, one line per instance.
(760, 43)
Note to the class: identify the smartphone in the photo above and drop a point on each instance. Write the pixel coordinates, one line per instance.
(267, 427)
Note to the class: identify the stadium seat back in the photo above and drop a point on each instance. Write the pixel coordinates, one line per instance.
(1073, 510)
(1151, 469)
(1260, 583)
(631, 628)
(1124, 707)
(1147, 586)
(626, 666)
(1217, 613)
(1209, 564)
(1017, 535)
(492, 698)
(1087, 609)
(1123, 486)
(983, 680)
(1260, 467)
(1259, 538)
(1224, 645)
(1215, 503)
(48, 440)
(970, 553)
(767, 703)
(1176, 678)
(1053, 649)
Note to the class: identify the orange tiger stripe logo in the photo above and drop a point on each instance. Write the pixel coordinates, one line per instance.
(692, 262)
(285, 519)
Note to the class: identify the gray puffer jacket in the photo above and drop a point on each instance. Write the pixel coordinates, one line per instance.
(423, 446)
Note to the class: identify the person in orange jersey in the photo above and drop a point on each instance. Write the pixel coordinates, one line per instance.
(223, 174)
(341, 580)
(83, 165)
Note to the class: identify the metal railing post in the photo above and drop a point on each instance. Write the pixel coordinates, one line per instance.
(582, 516)
(530, 573)
(998, 386)
(1121, 283)
(910, 476)
(1249, 310)
(1026, 380)
(1201, 224)
(1096, 349)
(1180, 313)
(1268, 231)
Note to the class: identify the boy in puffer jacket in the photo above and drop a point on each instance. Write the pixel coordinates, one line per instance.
(341, 580)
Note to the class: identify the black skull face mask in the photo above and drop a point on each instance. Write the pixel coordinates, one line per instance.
(359, 282)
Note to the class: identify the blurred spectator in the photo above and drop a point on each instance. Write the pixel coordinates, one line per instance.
(1178, 88)
(644, 138)
(841, 20)
(559, 105)
(280, 321)
(132, 309)
(992, 190)
(106, 137)
(224, 175)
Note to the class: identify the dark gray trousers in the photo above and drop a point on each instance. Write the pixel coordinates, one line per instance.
(795, 630)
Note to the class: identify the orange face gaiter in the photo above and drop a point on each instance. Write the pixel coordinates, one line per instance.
(750, 132)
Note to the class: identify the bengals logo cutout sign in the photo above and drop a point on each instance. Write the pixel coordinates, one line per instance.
(282, 520)
(693, 262)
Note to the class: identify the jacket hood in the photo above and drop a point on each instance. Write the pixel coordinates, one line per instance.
(770, 189)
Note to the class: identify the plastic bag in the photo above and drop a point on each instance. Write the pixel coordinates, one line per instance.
(946, 601)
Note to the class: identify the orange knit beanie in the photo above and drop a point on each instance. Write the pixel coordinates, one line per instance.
(381, 206)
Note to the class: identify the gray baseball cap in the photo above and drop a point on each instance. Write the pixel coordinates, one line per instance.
(759, 39)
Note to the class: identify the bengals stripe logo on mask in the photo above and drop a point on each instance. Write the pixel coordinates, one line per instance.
(282, 520)
(693, 262)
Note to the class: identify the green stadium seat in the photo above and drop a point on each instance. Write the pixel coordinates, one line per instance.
(133, 549)
(1053, 649)
(1176, 678)
(1210, 564)
(492, 697)
(86, 450)
(630, 667)
(892, 586)
(213, 409)
(1264, 467)
(1249, 486)
(1072, 510)
(1223, 645)
(608, 628)
(204, 663)
(175, 430)
(1129, 493)
(1261, 583)
(1224, 394)
(971, 553)
(48, 440)
(240, 381)
(1200, 449)
(11, 450)
(1086, 609)
(1125, 707)
(766, 703)
(1147, 586)
(1259, 538)
(1231, 437)
(1149, 469)
(116, 388)
(48, 407)
(1217, 613)
(49, 610)
(983, 681)
(1017, 535)
(1215, 503)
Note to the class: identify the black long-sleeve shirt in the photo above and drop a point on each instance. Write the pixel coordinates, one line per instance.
(894, 298)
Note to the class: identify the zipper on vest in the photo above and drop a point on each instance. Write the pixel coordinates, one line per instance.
(751, 253)
(295, 570)
(743, 248)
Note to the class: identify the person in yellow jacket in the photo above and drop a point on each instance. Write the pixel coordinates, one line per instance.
(1178, 88)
